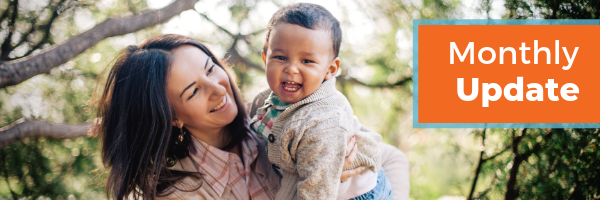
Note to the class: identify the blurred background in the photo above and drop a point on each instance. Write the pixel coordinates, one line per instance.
(53, 54)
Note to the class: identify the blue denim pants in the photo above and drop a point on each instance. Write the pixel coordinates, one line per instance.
(382, 191)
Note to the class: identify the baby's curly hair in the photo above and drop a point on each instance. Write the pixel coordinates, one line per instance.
(309, 16)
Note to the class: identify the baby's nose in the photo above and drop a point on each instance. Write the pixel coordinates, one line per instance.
(292, 69)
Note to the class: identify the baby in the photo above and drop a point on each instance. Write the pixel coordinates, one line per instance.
(305, 120)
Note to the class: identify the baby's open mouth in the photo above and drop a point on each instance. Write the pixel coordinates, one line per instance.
(291, 86)
(220, 105)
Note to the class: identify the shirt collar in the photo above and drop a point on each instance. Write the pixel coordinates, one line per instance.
(276, 102)
(213, 162)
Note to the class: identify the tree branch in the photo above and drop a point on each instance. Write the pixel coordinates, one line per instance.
(497, 154)
(492, 184)
(377, 85)
(479, 164)
(245, 38)
(34, 128)
(45, 30)
(597, 6)
(576, 194)
(518, 158)
(232, 52)
(23, 38)
(512, 178)
(131, 7)
(234, 55)
(278, 4)
(5, 13)
(34, 28)
(6, 46)
(257, 32)
(14, 72)
(5, 171)
(214, 23)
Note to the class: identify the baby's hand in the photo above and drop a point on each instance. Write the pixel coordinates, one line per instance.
(350, 156)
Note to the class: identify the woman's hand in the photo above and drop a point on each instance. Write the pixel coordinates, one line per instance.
(351, 150)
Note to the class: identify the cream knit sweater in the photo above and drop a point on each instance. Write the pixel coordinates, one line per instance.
(310, 140)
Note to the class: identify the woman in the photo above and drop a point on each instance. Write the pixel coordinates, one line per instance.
(174, 126)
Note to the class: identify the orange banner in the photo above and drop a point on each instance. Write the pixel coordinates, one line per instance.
(524, 74)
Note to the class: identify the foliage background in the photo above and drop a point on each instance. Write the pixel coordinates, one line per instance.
(376, 60)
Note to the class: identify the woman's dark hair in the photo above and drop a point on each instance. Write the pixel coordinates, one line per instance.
(135, 120)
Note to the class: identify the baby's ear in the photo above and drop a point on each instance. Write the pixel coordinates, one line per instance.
(264, 57)
(333, 68)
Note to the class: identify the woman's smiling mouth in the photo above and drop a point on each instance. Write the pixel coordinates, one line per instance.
(220, 105)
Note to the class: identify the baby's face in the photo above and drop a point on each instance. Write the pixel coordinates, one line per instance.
(297, 61)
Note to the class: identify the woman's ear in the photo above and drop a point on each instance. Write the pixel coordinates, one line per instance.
(333, 68)
(177, 123)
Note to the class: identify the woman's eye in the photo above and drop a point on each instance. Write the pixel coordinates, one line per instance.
(279, 57)
(210, 69)
(307, 61)
(193, 93)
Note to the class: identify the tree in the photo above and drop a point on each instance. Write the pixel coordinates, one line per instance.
(541, 163)
(32, 161)
(16, 67)
(553, 9)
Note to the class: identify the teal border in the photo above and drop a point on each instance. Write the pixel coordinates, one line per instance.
(417, 22)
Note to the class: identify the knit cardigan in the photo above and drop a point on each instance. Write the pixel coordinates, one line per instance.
(309, 143)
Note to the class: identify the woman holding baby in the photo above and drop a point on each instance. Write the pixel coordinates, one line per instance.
(174, 126)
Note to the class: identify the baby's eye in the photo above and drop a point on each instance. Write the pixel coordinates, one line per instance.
(279, 57)
(307, 61)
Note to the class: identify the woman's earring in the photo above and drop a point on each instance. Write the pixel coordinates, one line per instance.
(171, 161)
(181, 134)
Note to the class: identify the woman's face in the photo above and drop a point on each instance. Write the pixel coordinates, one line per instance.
(200, 92)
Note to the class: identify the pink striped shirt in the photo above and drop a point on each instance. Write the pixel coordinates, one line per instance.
(221, 168)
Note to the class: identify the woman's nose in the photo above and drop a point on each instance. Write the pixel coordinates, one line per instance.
(216, 90)
(291, 69)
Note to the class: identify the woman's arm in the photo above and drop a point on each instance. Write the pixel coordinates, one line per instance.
(395, 164)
